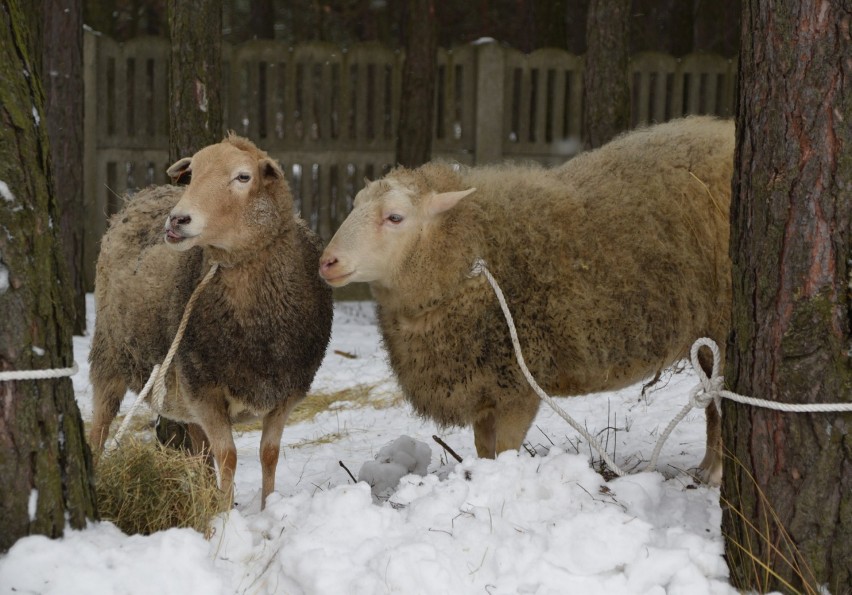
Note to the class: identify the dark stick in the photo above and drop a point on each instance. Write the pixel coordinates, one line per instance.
(345, 468)
(447, 448)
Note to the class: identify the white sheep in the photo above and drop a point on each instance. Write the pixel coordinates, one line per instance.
(258, 331)
(612, 264)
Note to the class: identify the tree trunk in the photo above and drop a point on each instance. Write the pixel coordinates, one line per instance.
(416, 122)
(606, 96)
(45, 465)
(62, 63)
(195, 76)
(195, 113)
(787, 488)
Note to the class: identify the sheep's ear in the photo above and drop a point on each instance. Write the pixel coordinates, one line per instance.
(445, 201)
(270, 170)
(180, 172)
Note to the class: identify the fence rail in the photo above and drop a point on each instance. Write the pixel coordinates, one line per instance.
(329, 115)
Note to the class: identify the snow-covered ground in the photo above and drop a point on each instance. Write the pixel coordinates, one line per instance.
(536, 521)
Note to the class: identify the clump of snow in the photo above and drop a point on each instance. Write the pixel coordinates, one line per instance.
(402, 457)
(36, 116)
(5, 192)
(4, 278)
(32, 504)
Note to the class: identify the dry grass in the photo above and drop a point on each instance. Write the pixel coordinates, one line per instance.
(143, 487)
(780, 551)
(358, 396)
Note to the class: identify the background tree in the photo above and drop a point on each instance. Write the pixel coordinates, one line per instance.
(606, 95)
(62, 66)
(195, 76)
(195, 111)
(791, 245)
(416, 122)
(45, 466)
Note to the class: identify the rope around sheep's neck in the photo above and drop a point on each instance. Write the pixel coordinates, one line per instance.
(157, 379)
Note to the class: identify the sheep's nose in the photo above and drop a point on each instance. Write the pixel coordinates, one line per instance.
(326, 262)
(176, 220)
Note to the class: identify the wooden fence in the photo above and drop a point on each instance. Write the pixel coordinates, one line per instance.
(329, 115)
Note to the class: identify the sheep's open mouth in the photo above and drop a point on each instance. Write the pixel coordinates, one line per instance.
(173, 238)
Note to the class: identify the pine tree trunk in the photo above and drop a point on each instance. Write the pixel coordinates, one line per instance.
(416, 122)
(790, 475)
(45, 465)
(606, 96)
(195, 113)
(195, 79)
(62, 74)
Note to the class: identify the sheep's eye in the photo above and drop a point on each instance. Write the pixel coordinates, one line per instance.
(243, 178)
(394, 218)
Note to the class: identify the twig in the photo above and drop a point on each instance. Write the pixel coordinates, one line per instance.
(345, 468)
(446, 447)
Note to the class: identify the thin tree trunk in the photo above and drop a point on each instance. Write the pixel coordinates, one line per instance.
(606, 96)
(195, 76)
(45, 465)
(195, 113)
(62, 63)
(416, 122)
(790, 475)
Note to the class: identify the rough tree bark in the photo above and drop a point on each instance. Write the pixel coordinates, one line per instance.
(45, 465)
(416, 122)
(195, 76)
(62, 66)
(606, 95)
(790, 475)
(195, 113)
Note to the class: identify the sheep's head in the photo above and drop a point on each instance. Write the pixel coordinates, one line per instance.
(235, 191)
(388, 218)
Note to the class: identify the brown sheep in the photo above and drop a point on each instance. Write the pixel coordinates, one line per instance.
(259, 329)
(612, 265)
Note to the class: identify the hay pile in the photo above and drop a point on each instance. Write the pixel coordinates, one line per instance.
(144, 487)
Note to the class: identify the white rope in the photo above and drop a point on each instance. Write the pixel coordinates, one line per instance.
(157, 379)
(39, 374)
(708, 390)
(479, 267)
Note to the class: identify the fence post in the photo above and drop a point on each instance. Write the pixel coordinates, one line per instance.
(490, 79)
(91, 237)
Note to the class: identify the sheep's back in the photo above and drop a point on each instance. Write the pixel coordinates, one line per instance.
(132, 288)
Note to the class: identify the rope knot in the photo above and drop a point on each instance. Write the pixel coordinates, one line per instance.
(477, 268)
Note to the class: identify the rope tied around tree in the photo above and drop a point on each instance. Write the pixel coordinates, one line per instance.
(708, 390)
(39, 374)
(156, 383)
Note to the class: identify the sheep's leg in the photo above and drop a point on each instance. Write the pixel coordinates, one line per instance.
(710, 469)
(106, 401)
(513, 424)
(270, 444)
(212, 415)
(200, 443)
(485, 435)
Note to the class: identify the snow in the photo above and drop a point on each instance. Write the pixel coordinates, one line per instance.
(32, 504)
(540, 520)
(5, 192)
(4, 278)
